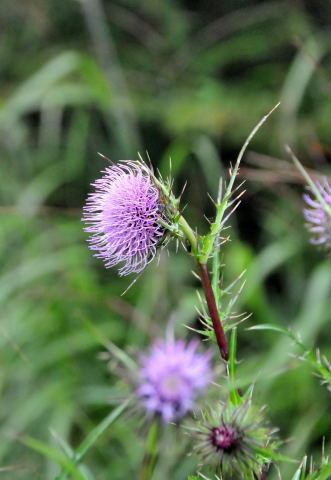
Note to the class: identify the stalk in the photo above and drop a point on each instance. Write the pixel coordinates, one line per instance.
(189, 234)
(202, 252)
(213, 312)
(208, 290)
(150, 458)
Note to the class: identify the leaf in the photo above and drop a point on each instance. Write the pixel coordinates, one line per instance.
(235, 397)
(277, 328)
(94, 435)
(50, 452)
(300, 473)
(270, 454)
(323, 474)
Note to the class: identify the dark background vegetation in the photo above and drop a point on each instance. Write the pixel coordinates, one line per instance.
(186, 80)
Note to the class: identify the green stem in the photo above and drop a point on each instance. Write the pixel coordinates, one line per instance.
(189, 234)
(235, 393)
(216, 269)
(150, 458)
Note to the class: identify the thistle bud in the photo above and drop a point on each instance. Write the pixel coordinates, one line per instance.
(229, 438)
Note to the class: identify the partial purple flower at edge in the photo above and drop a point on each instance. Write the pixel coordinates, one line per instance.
(123, 216)
(319, 220)
(172, 376)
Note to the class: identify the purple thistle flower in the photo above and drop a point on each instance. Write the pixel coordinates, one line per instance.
(123, 216)
(318, 215)
(172, 376)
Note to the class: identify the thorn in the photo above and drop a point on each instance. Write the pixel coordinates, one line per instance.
(196, 275)
(171, 182)
(131, 284)
(230, 213)
(182, 210)
(149, 160)
(105, 158)
(183, 189)
(212, 200)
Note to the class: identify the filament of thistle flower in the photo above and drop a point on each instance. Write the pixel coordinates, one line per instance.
(213, 311)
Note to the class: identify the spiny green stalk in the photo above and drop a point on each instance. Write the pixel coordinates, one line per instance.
(202, 248)
(216, 226)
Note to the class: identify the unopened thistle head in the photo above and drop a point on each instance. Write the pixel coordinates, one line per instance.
(318, 215)
(229, 437)
(123, 216)
(171, 377)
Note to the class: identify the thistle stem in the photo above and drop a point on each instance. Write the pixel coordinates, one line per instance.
(213, 311)
(150, 458)
(208, 289)
(223, 205)
(189, 234)
(264, 473)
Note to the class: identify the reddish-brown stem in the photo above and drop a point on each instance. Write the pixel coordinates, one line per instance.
(264, 473)
(213, 312)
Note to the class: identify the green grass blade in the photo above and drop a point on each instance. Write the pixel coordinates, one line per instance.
(94, 435)
(67, 464)
(235, 398)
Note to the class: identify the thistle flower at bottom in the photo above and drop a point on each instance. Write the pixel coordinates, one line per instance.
(171, 377)
(231, 439)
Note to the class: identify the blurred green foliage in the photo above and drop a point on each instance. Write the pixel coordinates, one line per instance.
(181, 79)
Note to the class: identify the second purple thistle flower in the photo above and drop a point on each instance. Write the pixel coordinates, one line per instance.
(123, 216)
(171, 377)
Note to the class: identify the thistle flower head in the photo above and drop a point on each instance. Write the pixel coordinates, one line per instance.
(171, 377)
(229, 436)
(123, 216)
(318, 215)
